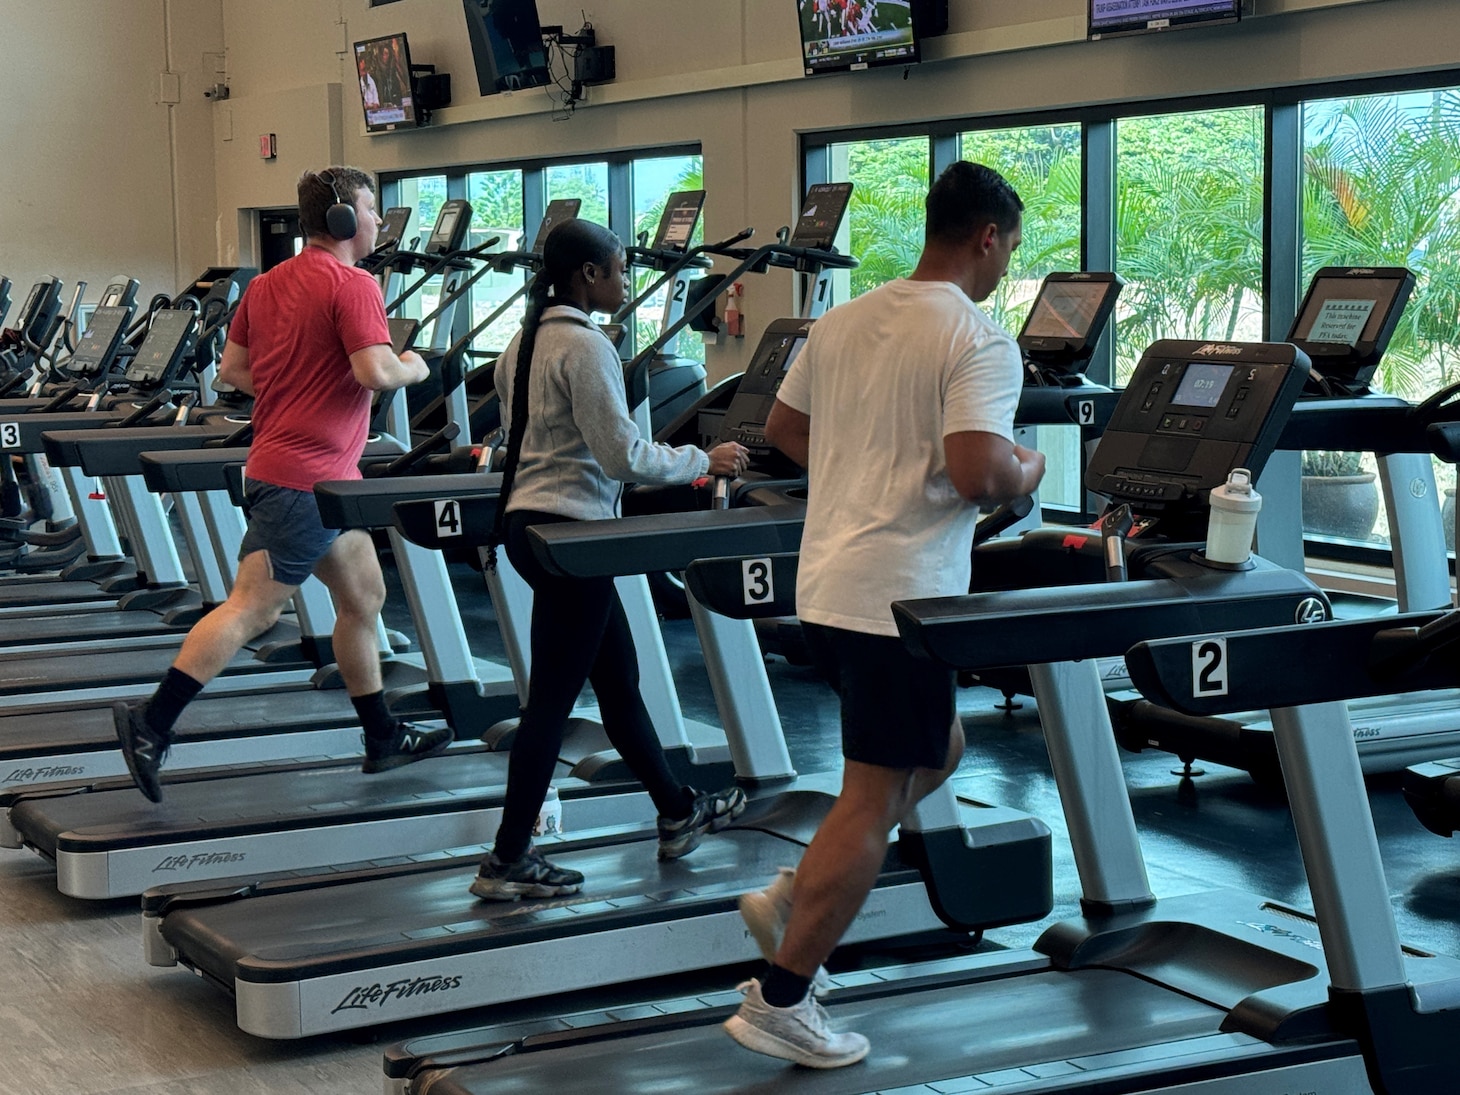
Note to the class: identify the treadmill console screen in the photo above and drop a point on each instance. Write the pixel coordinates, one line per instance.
(168, 340)
(745, 418)
(99, 343)
(821, 215)
(558, 210)
(1067, 320)
(393, 228)
(451, 227)
(1191, 413)
(1201, 385)
(677, 225)
(1347, 319)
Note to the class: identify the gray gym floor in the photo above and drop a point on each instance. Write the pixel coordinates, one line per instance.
(83, 1014)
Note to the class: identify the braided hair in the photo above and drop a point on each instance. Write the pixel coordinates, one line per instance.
(568, 247)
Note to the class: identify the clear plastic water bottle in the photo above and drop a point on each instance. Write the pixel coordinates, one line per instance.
(550, 817)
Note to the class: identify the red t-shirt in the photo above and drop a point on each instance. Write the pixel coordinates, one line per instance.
(300, 322)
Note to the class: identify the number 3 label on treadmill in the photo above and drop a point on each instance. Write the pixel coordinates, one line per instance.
(759, 586)
(9, 435)
(1085, 412)
(1209, 667)
(448, 518)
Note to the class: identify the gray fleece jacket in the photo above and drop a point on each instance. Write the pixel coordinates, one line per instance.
(581, 445)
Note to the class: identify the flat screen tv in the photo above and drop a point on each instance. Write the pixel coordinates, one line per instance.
(506, 44)
(1109, 18)
(839, 35)
(383, 66)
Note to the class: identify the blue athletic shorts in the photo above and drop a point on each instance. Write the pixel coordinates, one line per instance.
(285, 523)
(897, 709)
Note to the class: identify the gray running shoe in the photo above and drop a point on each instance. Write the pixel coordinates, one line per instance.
(800, 1033)
(143, 748)
(712, 811)
(766, 912)
(531, 875)
(409, 744)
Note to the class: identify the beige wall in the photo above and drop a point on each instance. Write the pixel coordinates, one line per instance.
(726, 75)
(98, 176)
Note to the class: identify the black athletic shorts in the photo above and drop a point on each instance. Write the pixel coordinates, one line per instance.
(285, 523)
(897, 709)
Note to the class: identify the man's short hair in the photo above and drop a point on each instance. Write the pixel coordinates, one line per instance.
(966, 197)
(316, 195)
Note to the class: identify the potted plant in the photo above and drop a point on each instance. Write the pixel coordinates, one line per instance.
(1340, 498)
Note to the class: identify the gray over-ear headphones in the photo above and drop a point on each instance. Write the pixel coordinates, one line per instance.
(339, 219)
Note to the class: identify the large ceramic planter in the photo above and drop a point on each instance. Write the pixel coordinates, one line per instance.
(1344, 506)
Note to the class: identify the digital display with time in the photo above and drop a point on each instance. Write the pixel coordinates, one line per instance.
(1201, 385)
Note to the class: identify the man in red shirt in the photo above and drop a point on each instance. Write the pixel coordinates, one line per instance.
(309, 343)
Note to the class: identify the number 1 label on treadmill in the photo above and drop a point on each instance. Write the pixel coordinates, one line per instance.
(1209, 667)
(448, 518)
(9, 435)
(1085, 412)
(759, 585)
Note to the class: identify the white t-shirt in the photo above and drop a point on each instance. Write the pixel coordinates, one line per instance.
(885, 378)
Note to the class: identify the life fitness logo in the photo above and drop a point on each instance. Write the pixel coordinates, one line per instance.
(1213, 349)
(1310, 610)
(366, 997)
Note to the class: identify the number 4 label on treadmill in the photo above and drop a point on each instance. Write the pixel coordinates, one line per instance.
(756, 575)
(1085, 412)
(448, 518)
(1209, 667)
(9, 435)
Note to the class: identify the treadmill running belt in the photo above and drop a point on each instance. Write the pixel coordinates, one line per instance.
(43, 592)
(91, 670)
(942, 1034)
(86, 627)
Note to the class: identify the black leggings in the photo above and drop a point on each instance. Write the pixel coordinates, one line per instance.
(579, 634)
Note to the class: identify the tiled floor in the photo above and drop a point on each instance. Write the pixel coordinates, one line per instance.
(82, 1013)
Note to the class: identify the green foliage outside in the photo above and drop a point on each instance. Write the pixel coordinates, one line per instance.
(587, 181)
(1381, 187)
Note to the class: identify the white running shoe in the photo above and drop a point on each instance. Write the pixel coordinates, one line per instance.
(765, 913)
(799, 1033)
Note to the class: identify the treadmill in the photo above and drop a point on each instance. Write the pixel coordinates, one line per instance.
(1217, 992)
(1344, 324)
(301, 954)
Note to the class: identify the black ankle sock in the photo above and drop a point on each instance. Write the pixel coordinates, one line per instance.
(379, 723)
(783, 989)
(176, 691)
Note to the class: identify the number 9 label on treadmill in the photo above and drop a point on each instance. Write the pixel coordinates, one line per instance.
(9, 435)
(1085, 412)
(759, 585)
(448, 518)
(1209, 668)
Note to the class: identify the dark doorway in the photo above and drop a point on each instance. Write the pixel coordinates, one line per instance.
(278, 236)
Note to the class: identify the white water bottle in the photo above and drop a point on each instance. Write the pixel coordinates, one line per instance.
(550, 817)
(1233, 521)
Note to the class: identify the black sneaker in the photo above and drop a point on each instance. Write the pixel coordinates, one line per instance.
(530, 875)
(410, 744)
(143, 747)
(711, 813)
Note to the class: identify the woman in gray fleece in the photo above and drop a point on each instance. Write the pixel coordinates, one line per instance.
(571, 446)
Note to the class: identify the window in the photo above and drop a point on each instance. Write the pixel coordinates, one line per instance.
(1042, 163)
(1381, 187)
(496, 210)
(884, 222)
(653, 180)
(588, 181)
(1189, 220)
(425, 194)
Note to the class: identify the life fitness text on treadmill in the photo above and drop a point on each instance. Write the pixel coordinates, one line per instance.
(36, 775)
(364, 997)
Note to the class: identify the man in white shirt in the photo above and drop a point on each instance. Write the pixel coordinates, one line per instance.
(901, 407)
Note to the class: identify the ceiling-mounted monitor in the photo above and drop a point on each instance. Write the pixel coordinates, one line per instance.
(841, 35)
(383, 66)
(506, 44)
(1109, 18)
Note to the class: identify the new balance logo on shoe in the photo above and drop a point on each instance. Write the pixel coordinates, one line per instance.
(407, 745)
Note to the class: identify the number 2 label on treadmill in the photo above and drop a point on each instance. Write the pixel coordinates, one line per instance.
(448, 518)
(1209, 667)
(1085, 412)
(760, 587)
(9, 435)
